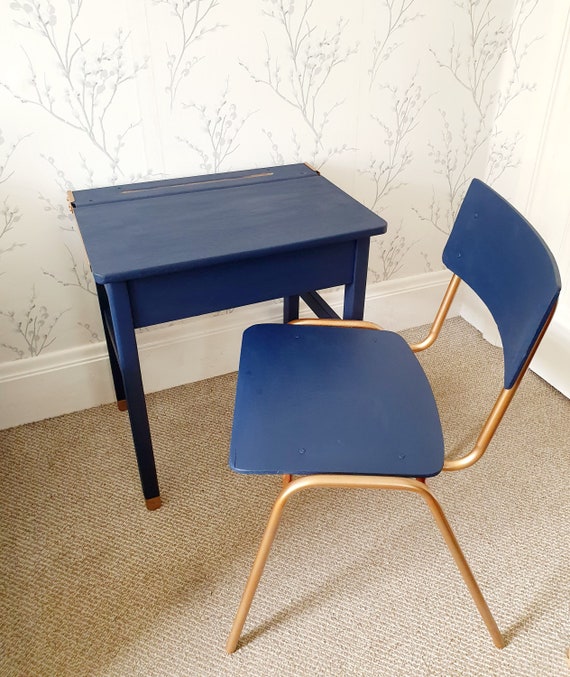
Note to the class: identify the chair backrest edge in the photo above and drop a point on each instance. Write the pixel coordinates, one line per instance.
(506, 262)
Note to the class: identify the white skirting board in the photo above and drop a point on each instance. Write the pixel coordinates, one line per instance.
(60, 382)
(63, 381)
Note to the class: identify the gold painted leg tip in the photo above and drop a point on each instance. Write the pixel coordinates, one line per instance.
(231, 647)
(153, 503)
(500, 643)
(122, 405)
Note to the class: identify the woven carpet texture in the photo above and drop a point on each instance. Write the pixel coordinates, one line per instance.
(359, 582)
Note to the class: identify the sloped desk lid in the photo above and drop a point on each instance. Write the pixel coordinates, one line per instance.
(138, 230)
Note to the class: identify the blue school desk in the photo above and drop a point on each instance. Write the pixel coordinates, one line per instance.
(170, 249)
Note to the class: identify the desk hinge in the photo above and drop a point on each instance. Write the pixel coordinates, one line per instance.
(71, 201)
(312, 168)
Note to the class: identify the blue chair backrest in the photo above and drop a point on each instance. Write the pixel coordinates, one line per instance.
(509, 266)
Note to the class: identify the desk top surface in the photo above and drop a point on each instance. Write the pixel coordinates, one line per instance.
(160, 227)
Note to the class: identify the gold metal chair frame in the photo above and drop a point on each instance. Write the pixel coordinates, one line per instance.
(417, 486)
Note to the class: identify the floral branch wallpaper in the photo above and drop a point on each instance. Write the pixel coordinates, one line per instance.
(399, 102)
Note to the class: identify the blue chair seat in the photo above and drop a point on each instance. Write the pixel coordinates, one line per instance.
(337, 400)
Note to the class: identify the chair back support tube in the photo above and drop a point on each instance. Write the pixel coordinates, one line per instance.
(440, 317)
(497, 413)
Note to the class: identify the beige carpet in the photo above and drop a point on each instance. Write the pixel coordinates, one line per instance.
(358, 583)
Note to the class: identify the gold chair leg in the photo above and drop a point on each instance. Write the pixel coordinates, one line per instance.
(257, 568)
(466, 573)
(286, 480)
(358, 482)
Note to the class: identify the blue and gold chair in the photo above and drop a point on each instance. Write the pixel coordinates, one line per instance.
(345, 404)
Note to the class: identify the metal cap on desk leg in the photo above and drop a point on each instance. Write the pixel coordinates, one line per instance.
(153, 503)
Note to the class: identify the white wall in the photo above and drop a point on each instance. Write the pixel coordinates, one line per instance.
(538, 185)
(399, 102)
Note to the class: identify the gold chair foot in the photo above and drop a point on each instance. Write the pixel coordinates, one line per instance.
(231, 646)
(499, 642)
(122, 405)
(153, 503)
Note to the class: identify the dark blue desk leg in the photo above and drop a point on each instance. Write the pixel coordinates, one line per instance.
(355, 292)
(128, 359)
(290, 308)
(111, 349)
